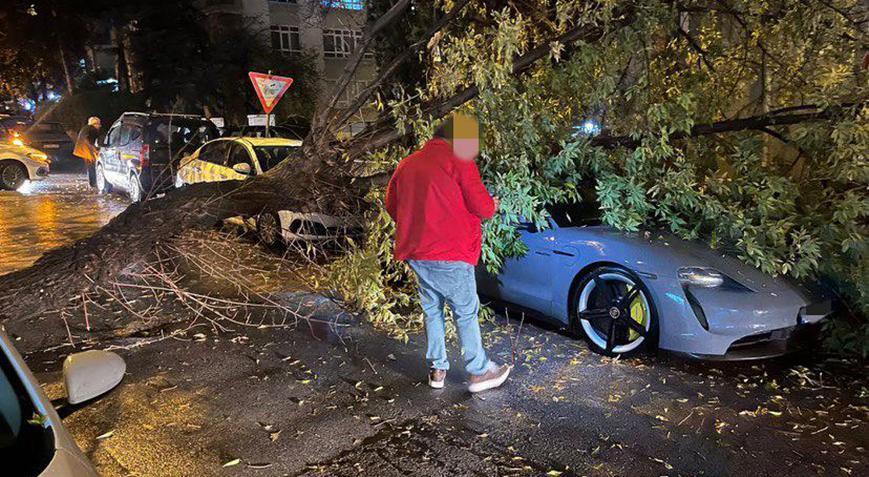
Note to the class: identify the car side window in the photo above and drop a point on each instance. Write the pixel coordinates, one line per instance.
(124, 135)
(572, 214)
(135, 133)
(112, 138)
(214, 153)
(238, 155)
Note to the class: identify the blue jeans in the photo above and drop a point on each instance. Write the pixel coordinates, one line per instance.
(453, 283)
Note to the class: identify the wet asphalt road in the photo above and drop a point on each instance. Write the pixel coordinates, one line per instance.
(274, 402)
(309, 402)
(47, 214)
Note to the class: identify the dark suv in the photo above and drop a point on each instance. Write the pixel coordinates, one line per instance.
(141, 151)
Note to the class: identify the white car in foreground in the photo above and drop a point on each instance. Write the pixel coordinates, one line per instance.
(33, 441)
(19, 164)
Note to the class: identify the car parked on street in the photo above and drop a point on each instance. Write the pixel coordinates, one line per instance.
(235, 158)
(33, 441)
(47, 136)
(21, 163)
(628, 292)
(238, 158)
(141, 151)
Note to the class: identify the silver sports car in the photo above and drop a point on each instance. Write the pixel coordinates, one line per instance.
(626, 292)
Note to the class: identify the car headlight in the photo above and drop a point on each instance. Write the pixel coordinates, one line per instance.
(701, 277)
(38, 156)
(17, 141)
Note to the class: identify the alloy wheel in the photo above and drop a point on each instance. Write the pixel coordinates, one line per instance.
(13, 176)
(268, 228)
(135, 189)
(614, 312)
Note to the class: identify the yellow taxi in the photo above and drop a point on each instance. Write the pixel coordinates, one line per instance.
(233, 158)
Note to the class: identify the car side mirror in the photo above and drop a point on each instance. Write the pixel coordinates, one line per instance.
(242, 168)
(90, 374)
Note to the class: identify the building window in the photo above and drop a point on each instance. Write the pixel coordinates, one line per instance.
(286, 38)
(345, 4)
(341, 43)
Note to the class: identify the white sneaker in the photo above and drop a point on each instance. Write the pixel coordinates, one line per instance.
(436, 378)
(491, 379)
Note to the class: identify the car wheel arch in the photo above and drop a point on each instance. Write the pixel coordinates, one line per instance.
(14, 160)
(634, 275)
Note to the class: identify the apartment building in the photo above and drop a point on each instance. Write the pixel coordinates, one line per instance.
(329, 30)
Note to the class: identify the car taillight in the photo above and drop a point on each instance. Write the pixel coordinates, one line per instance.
(145, 156)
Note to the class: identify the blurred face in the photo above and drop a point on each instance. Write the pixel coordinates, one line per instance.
(466, 137)
(467, 149)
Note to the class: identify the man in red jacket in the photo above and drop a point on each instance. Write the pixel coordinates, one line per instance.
(438, 201)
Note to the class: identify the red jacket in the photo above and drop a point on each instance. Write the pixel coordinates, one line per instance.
(438, 202)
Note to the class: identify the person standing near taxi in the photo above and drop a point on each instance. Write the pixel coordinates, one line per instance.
(438, 203)
(86, 147)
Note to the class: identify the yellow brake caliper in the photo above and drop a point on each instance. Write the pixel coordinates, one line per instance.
(638, 314)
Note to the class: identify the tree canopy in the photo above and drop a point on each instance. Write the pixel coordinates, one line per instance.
(740, 123)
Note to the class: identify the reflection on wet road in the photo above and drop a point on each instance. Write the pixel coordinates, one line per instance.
(48, 214)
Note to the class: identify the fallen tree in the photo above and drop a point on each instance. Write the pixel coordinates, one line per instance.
(661, 77)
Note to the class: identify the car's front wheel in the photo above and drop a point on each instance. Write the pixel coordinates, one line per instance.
(614, 311)
(12, 175)
(103, 186)
(134, 189)
(268, 227)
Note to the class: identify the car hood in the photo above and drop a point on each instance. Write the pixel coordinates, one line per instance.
(662, 253)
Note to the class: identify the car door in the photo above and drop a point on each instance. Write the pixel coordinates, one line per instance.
(127, 157)
(526, 280)
(212, 161)
(192, 167)
(108, 154)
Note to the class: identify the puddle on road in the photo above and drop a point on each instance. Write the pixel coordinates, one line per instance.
(49, 214)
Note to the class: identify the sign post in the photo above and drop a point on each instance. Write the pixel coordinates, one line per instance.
(269, 89)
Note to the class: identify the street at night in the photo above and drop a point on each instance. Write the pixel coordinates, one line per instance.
(264, 401)
(464, 238)
(50, 214)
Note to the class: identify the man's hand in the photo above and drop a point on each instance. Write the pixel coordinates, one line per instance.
(497, 201)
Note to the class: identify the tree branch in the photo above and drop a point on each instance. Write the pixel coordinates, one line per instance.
(696, 47)
(358, 53)
(364, 95)
(383, 132)
(760, 122)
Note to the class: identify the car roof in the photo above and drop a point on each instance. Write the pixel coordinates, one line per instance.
(269, 141)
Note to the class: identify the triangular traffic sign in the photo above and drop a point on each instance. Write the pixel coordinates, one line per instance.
(269, 88)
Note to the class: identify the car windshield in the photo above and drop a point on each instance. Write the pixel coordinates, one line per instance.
(26, 445)
(576, 214)
(270, 156)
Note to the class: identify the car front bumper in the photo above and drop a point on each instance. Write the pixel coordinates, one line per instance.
(768, 345)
